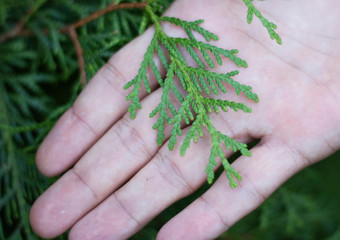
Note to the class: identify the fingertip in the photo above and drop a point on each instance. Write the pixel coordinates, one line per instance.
(61, 206)
(39, 222)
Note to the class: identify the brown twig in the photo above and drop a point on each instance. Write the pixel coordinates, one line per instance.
(71, 30)
(18, 30)
(109, 8)
(79, 52)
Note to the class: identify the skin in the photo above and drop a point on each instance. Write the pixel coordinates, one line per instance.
(118, 179)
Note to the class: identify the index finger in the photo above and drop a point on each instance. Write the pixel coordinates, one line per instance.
(100, 105)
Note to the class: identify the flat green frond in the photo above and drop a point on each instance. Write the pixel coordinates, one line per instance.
(176, 92)
(141, 77)
(156, 72)
(194, 131)
(176, 121)
(188, 26)
(163, 106)
(171, 47)
(220, 85)
(217, 139)
(241, 88)
(195, 82)
(135, 104)
(194, 108)
(204, 47)
(207, 58)
(162, 57)
(194, 56)
(212, 85)
(181, 78)
(215, 80)
(204, 84)
(267, 24)
(176, 131)
(233, 145)
(224, 105)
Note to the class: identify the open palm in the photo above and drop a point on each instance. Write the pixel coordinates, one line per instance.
(120, 179)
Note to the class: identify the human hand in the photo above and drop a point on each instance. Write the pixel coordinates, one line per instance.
(296, 121)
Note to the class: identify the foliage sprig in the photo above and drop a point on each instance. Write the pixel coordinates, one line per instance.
(195, 82)
(271, 27)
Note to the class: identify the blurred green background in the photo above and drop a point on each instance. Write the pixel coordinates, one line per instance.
(39, 80)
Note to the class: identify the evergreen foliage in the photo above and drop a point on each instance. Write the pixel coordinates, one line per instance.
(196, 82)
(271, 27)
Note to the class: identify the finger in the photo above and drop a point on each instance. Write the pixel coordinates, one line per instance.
(165, 179)
(271, 164)
(108, 164)
(99, 106)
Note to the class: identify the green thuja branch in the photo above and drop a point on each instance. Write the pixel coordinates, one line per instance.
(195, 81)
(268, 25)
